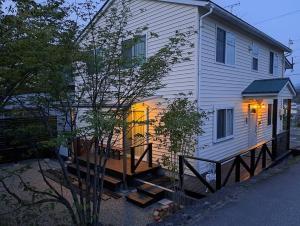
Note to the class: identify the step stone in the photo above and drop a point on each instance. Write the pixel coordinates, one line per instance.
(140, 199)
(151, 191)
(109, 182)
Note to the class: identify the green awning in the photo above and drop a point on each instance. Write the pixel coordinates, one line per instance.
(268, 87)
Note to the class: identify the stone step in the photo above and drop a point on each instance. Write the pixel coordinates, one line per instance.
(140, 199)
(152, 191)
(109, 182)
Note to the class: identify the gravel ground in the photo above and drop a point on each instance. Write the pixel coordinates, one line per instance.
(115, 212)
(269, 199)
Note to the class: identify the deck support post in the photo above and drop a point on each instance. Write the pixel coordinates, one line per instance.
(237, 169)
(218, 176)
(264, 156)
(150, 154)
(132, 160)
(125, 149)
(181, 172)
(252, 162)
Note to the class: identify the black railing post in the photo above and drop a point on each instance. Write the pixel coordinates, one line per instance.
(150, 154)
(288, 124)
(218, 176)
(252, 162)
(264, 156)
(237, 169)
(132, 159)
(181, 172)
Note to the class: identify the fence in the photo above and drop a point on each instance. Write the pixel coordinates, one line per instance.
(235, 168)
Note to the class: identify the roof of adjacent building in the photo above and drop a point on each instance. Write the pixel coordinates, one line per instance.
(218, 11)
(268, 86)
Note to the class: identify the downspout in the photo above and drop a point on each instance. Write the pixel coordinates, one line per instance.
(199, 59)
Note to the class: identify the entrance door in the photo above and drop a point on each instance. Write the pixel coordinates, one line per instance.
(136, 133)
(252, 127)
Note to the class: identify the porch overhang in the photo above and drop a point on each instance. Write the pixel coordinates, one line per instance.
(270, 88)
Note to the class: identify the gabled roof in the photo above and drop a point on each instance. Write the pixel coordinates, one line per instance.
(268, 87)
(217, 10)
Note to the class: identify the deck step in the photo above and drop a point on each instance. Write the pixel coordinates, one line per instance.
(109, 182)
(140, 199)
(151, 191)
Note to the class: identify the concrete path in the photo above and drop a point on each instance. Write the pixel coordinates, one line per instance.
(269, 199)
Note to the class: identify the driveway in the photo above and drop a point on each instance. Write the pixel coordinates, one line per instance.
(270, 199)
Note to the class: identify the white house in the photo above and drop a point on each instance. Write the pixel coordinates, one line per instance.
(236, 72)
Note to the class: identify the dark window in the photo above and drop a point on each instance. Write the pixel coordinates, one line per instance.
(224, 123)
(134, 50)
(254, 63)
(270, 113)
(221, 43)
(271, 68)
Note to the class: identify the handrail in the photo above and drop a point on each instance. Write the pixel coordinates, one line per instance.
(134, 165)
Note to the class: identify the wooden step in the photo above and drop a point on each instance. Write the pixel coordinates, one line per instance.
(151, 191)
(140, 199)
(109, 182)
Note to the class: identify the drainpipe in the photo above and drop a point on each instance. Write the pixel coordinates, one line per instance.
(200, 49)
(199, 59)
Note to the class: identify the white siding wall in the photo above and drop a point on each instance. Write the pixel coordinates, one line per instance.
(165, 19)
(223, 84)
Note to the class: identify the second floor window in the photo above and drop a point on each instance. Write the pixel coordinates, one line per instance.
(255, 53)
(274, 64)
(225, 47)
(134, 49)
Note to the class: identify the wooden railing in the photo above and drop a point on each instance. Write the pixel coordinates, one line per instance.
(270, 150)
(133, 163)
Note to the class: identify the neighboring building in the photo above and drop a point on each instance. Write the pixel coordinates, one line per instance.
(236, 72)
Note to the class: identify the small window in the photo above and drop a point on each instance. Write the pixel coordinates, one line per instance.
(255, 53)
(270, 113)
(134, 49)
(224, 123)
(271, 64)
(225, 47)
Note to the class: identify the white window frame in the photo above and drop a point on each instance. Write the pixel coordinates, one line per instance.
(255, 55)
(234, 36)
(276, 63)
(215, 127)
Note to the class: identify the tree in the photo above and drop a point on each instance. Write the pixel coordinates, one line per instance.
(108, 79)
(180, 124)
(35, 42)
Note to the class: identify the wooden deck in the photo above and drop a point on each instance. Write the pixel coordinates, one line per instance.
(115, 166)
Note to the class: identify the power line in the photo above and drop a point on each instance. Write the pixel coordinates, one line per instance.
(277, 17)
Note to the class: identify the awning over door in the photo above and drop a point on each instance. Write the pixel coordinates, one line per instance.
(270, 88)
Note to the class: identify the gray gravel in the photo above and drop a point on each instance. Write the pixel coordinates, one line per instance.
(117, 212)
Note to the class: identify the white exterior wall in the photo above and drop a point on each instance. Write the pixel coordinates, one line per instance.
(165, 19)
(223, 84)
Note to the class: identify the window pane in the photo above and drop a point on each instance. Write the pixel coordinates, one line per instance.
(220, 50)
(229, 122)
(140, 48)
(254, 63)
(271, 62)
(276, 65)
(127, 49)
(230, 49)
(221, 123)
